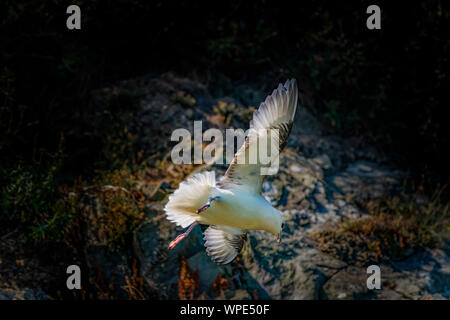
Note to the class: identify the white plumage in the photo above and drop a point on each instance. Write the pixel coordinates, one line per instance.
(234, 204)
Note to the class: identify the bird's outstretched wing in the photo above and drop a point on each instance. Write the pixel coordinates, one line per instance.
(276, 112)
(223, 243)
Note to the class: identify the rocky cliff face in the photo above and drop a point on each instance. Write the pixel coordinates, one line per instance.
(323, 181)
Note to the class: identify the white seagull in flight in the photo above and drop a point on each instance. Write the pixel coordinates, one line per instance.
(234, 204)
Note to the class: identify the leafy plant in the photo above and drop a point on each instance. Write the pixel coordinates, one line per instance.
(29, 195)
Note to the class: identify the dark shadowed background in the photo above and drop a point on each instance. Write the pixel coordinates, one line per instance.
(389, 88)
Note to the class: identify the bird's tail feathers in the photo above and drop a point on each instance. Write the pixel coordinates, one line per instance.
(190, 195)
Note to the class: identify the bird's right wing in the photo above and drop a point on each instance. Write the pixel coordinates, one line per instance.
(223, 243)
(276, 112)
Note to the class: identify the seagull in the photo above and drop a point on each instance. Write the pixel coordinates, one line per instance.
(234, 204)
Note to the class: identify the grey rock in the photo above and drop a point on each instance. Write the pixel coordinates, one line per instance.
(321, 180)
(22, 294)
(347, 284)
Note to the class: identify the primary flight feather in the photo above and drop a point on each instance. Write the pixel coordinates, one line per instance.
(234, 204)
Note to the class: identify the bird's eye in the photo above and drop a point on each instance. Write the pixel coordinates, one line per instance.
(282, 225)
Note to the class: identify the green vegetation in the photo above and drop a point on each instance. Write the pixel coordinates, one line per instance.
(29, 196)
(120, 205)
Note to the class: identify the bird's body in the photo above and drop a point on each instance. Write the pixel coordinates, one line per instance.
(241, 209)
(234, 204)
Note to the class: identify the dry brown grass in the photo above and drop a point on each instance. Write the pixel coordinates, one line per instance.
(134, 284)
(394, 228)
(221, 284)
(189, 282)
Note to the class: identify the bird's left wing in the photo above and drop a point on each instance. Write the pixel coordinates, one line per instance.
(223, 243)
(272, 122)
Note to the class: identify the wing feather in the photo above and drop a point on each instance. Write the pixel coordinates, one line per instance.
(276, 112)
(223, 243)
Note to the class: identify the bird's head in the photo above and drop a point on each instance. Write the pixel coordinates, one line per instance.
(276, 224)
(279, 233)
(280, 230)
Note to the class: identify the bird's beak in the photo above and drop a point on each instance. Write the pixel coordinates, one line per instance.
(279, 238)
